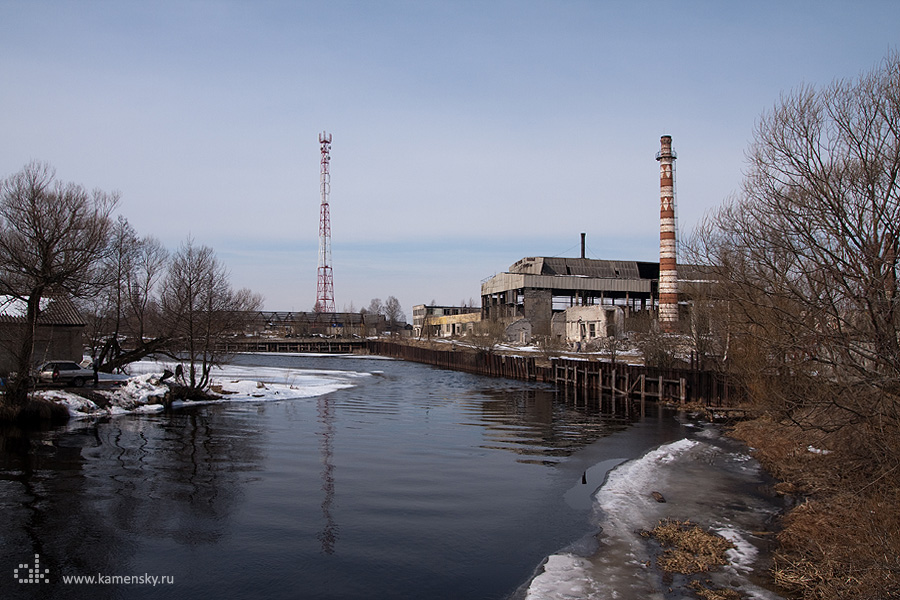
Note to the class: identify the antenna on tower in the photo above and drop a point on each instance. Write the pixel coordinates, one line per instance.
(325, 287)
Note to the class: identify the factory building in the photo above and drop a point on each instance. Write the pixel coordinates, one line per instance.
(535, 288)
(540, 289)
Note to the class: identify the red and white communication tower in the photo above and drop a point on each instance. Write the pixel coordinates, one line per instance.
(325, 288)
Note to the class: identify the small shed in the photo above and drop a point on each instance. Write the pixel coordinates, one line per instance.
(59, 334)
(519, 331)
(585, 324)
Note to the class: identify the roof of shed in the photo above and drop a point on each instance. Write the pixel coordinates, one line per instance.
(55, 310)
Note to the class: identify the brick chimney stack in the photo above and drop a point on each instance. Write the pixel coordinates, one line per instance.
(668, 274)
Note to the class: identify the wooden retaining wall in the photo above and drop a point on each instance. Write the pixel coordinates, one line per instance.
(638, 382)
(592, 377)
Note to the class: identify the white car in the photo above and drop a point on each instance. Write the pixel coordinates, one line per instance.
(66, 372)
(69, 372)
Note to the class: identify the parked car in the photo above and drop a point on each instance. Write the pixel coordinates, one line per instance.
(68, 372)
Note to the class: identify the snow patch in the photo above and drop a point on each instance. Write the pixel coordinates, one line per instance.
(144, 393)
(565, 576)
(743, 555)
(691, 474)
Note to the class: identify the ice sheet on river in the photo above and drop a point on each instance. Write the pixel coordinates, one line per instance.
(708, 480)
(143, 392)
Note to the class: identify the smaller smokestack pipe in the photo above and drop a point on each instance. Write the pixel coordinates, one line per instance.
(582, 244)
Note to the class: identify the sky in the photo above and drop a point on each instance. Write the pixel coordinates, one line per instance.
(465, 134)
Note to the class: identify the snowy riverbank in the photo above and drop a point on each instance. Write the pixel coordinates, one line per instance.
(145, 393)
(707, 479)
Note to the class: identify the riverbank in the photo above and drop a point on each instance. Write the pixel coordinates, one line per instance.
(704, 479)
(842, 539)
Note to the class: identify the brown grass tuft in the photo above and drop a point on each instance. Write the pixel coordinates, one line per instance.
(35, 411)
(711, 593)
(688, 549)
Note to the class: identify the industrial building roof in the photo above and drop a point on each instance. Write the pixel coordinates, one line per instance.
(584, 274)
(579, 267)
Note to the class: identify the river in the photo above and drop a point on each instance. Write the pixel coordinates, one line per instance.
(402, 481)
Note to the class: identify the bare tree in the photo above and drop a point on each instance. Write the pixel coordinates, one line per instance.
(125, 311)
(807, 259)
(393, 313)
(376, 307)
(488, 334)
(53, 237)
(149, 266)
(200, 305)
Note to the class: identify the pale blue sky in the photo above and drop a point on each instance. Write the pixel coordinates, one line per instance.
(467, 134)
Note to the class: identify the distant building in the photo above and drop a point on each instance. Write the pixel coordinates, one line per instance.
(456, 325)
(59, 333)
(536, 287)
(433, 321)
(519, 332)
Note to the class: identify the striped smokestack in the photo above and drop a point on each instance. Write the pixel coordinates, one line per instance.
(668, 275)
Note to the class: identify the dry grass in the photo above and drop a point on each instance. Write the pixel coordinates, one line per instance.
(711, 593)
(843, 540)
(783, 450)
(688, 549)
(845, 546)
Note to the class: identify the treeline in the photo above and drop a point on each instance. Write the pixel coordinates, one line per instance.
(57, 239)
(805, 312)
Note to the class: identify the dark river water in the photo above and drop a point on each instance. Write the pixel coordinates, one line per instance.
(415, 482)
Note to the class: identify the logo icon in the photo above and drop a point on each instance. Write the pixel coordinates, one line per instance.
(28, 574)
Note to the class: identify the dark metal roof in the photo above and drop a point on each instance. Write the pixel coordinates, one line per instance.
(579, 267)
(58, 311)
(601, 269)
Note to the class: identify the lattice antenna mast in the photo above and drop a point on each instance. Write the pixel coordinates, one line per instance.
(325, 288)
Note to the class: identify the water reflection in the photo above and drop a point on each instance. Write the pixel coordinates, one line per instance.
(545, 425)
(86, 499)
(328, 535)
